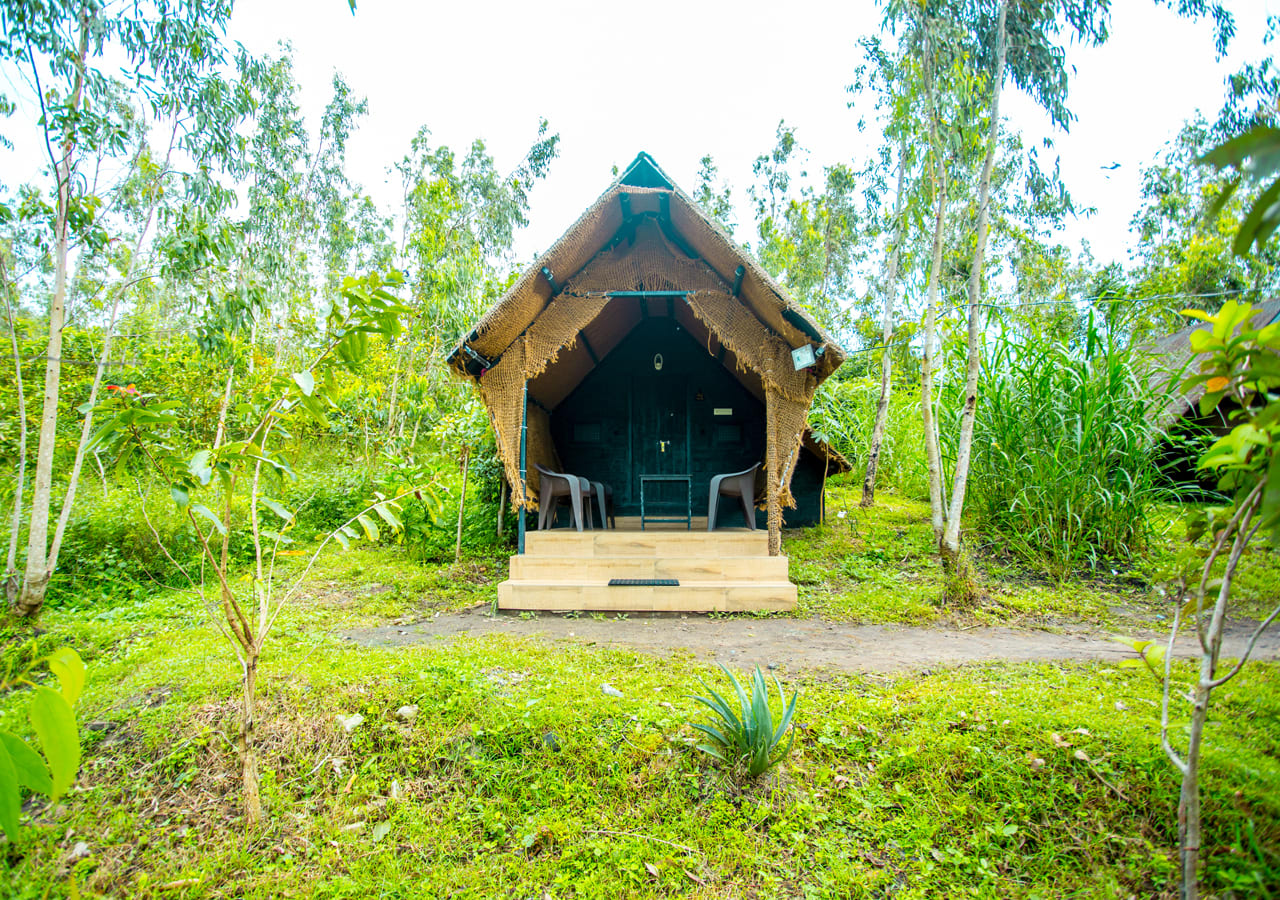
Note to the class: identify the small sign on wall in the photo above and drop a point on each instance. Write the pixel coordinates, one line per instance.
(722, 411)
(802, 357)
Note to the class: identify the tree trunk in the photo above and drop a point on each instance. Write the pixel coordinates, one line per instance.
(35, 581)
(772, 475)
(1189, 795)
(502, 501)
(86, 430)
(11, 582)
(886, 363)
(246, 745)
(951, 549)
(462, 502)
(1189, 825)
(939, 184)
(222, 410)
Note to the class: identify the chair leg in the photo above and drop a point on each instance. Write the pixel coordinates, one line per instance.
(604, 522)
(545, 501)
(575, 498)
(748, 512)
(713, 502)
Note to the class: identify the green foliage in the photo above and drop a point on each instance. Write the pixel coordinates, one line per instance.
(326, 499)
(519, 776)
(843, 414)
(1242, 363)
(744, 736)
(52, 770)
(1257, 154)
(1065, 448)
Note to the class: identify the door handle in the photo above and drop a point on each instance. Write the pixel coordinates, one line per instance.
(662, 446)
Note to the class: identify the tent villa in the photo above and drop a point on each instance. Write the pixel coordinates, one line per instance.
(647, 352)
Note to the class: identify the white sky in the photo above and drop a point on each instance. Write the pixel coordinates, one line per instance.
(680, 79)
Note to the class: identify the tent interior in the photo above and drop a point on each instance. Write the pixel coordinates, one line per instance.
(648, 389)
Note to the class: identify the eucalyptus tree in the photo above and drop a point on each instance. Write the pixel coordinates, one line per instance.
(62, 52)
(459, 218)
(984, 43)
(714, 195)
(808, 235)
(890, 75)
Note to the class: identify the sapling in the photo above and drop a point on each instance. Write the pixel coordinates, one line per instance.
(1239, 363)
(141, 430)
(51, 770)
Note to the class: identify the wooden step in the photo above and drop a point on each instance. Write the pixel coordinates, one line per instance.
(702, 596)
(597, 569)
(565, 543)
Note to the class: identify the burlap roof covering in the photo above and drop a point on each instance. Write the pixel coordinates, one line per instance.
(528, 330)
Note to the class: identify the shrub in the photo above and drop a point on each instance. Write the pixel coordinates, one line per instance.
(327, 499)
(109, 553)
(1065, 448)
(746, 737)
(844, 413)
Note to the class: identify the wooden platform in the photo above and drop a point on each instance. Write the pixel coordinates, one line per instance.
(725, 570)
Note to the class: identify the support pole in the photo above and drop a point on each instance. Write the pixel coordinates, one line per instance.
(524, 483)
(773, 477)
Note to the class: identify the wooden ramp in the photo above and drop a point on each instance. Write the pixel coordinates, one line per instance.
(726, 571)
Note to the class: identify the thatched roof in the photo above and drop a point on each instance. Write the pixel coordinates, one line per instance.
(642, 200)
(1174, 353)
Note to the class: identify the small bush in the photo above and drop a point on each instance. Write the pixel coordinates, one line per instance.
(746, 737)
(327, 499)
(110, 554)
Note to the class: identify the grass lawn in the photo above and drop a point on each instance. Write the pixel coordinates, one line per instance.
(520, 777)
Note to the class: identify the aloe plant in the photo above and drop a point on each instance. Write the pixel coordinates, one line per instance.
(746, 736)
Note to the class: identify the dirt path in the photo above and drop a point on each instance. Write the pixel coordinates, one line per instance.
(798, 643)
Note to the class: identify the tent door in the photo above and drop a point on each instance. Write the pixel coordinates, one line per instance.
(659, 432)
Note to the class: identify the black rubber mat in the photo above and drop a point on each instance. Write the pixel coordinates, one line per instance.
(643, 582)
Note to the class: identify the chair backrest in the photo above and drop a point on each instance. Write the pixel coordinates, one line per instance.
(560, 476)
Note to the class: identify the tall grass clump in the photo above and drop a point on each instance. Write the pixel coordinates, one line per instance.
(1066, 447)
(843, 414)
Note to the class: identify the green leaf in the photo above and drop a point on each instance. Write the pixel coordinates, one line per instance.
(342, 539)
(1237, 150)
(180, 495)
(107, 428)
(370, 527)
(200, 468)
(388, 516)
(10, 800)
(32, 772)
(202, 510)
(55, 725)
(276, 508)
(306, 382)
(1258, 224)
(67, 665)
